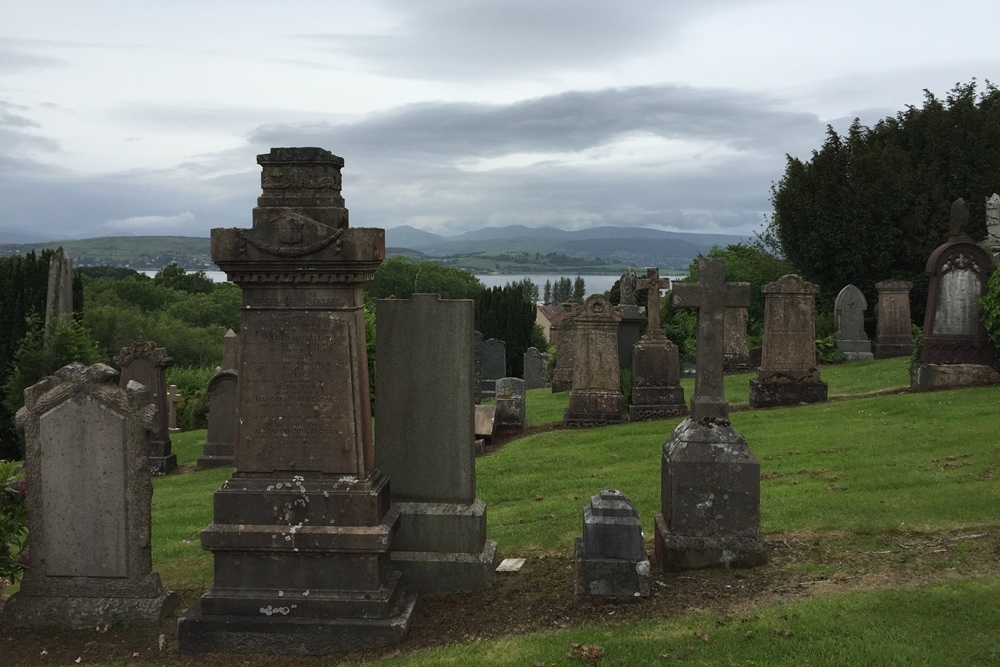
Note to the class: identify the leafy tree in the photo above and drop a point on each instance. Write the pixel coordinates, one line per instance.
(562, 290)
(874, 203)
(529, 288)
(176, 278)
(400, 277)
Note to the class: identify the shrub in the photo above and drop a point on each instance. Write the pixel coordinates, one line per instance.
(13, 521)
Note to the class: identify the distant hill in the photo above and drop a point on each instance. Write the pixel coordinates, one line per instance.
(137, 252)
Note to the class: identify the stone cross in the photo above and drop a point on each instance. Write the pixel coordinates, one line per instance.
(711, 296)
(173, 398)
(652, 283)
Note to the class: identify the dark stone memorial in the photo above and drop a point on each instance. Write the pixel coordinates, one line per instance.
(494, 366)
(788, 373)
(303, 529)
(564, 334)
(425, 443)
(656, 388)
(954, 335)
(222, 396)
(849, 313)
(710, 480)
(87, 462)
(630, 327)
(477, 365)
(596, 397)
(610, 558)
(147, 364)
(59, 297)
(893, 326)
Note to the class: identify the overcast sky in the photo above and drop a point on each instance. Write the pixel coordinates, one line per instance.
(146, 118)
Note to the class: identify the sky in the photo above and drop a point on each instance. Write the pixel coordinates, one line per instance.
(133, 118)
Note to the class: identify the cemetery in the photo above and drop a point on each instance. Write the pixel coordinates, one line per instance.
(338, 507)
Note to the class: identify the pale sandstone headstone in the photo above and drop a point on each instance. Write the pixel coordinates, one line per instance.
(147, 364)
(596, 397)
(564, 334)
(893, 326)
(173, 398)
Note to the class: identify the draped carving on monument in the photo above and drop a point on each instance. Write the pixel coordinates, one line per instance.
(289, 228)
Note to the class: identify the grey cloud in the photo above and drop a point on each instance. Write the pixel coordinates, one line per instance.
(16, 132)
(15, 60)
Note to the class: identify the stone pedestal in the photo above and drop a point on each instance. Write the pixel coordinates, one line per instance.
(302, 531)
(656, 390)
(596, 397)
(218, 452)
(927, 377)
(610, 558)
(710, 497)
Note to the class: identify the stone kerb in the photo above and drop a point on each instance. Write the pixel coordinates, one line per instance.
(596, 397)
(86, 449)
(849, 313)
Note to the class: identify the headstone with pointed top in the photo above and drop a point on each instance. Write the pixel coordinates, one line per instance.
(220, 438)
(230, 351)
(147, 364)
(656, 388)
(596, 397)
(710, 480)
(849, 313)
(893, 325)
(86, 454)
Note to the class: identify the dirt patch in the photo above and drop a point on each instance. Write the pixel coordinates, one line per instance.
(540, 598)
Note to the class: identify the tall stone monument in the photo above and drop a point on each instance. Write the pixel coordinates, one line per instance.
(788, 373)
(424, 442)
(86, 453)
(303, 529)
(893, 326)
(230, 351)
(147, 364)
(849, 313)
(736, 351)
(564, 334)
(710, 480)
(656, 388)
(630, 327)
(956, 349)
(59, 297)
(219, 441)
(596, 397)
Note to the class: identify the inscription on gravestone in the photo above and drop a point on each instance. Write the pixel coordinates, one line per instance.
(596, 397)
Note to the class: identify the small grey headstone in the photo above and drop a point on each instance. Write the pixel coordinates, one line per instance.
(534, 369)
(849, 312)
(219, 444)
(610, 558)
(510, 406)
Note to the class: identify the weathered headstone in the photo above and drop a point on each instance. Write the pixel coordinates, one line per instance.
(630, 327)
(788, 373)
(485, 419)
(710, 480)
(494, 366)
(953, 333)
(849, 313)
(510, 406)
(59, 298)
(534, 368)
(303, 529)
(424, 442)
(564, 334)
(222, 401)
(477, 365)
(610, 558)
(893, 326)
(736, 352)
(596, 397)
(173, 398)
(230, 351)
(86, 453)
(147, 364)
(656, 389)
(993, 223)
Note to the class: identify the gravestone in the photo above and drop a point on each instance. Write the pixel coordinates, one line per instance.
(610, 558)
(849, 313)
(788, 373)
(656, 389)
(147, 364)
(630, 327)
(86, 455)
(230, 351)
(59, 297)
(494, 366)
(425, 443)
(477, 365)
(596, 397)
(993, 223)
(510, 407)
(485, 419)
(534, 368)
(564, 334)
(222, 401)
(173, 398)
(303, 529)
(735, 351)
(893, 326)
(710, 480)
(953, 333)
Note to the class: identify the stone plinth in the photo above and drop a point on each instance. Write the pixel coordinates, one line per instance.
(788, 373)
(596, 397)
(610, 558)
(147, 364)
(303, 529)
(893, 326)
(425, 442)
(656, 389)
(222, 390)
(849, 312)
(710, 497)
(509, 418)
(86, 455)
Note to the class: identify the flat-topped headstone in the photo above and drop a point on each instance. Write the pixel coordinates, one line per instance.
(146, 363)
(564, 336)
(86, 454)
(534, 368)
(735, 350)
(59, 297)
(710, 480)
(425, 442)
(893, 325)
(222, 402)
(849, 313)
(610, 557)
(303, 529)
(596, 397)
(510, 406)
(788, 373)
(494, 366)
(656, 389)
